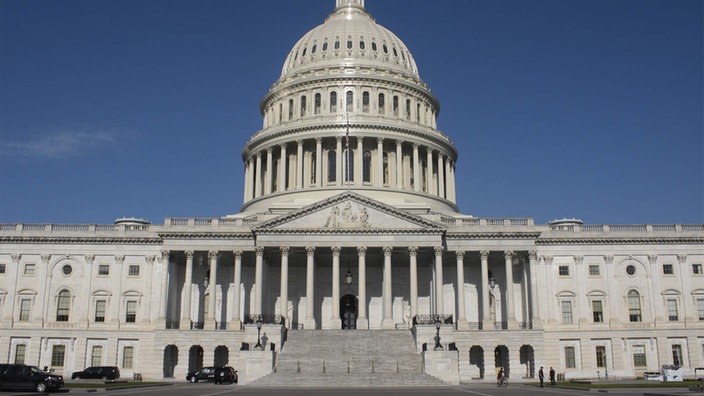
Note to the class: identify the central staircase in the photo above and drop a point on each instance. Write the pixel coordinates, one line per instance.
(348, 358)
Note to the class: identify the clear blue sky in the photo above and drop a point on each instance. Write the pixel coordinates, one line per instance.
(580, 108)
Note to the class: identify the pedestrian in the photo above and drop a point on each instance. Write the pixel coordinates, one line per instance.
(552, 376)
(541, 376)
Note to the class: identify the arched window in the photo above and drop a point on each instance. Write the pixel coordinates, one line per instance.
(290, 109)
(333, 102)
(349, 159)
(317, 103)
(63, 306)
(332, 166)
(349, 101)
(634, 314)
(367, 167)
(303, 106)
(382, 104)
(365, 102)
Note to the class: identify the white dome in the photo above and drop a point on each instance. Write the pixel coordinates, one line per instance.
(351, 36)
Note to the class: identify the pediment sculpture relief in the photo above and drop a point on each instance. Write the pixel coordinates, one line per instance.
(348, 217)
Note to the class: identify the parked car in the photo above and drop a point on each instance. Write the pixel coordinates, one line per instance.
(225, 375)
(20, 376)
(204, 374)
(98, 372)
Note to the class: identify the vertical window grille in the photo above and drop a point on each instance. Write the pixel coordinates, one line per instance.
(100, 311)
(96, 355)
(601, 356)
(20, 353)
(58, 353)
(634, 314)
(570, 361)
(597, 311)
(63, 306)
(128, 357)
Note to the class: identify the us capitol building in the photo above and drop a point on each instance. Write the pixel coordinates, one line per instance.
(349, 230)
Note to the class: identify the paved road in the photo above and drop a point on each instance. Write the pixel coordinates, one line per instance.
(208, 389)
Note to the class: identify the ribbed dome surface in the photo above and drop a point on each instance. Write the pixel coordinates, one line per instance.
(349, 36)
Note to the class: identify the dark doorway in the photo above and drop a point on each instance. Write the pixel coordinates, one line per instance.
(348, 312)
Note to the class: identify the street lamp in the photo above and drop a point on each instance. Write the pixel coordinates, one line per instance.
(259, 331)
(438, 347)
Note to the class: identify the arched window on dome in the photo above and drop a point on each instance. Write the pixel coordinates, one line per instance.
(317, 104)
(333, 102)
(408, 109)
(382, 105)
(365, 102)
(349, 159)
(395, 105)
(634, 311)
(63, 306)
(303, 106)
(349, 102)
(290, 109)
(367, 167)
(386, 168)
(332, 166)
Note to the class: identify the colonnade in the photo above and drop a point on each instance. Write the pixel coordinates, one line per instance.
(311, 322)
(397, 165)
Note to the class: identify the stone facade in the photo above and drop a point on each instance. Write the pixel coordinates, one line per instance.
(350, 221)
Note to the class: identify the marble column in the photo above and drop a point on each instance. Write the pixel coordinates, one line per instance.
(335, 317)
(487, 323)
(362, 321)
(379, 174)
(210, 320)
(284, 285)
(461, 316)
(413, 270)
(399, 165)
(236, 323)
(269, 170)
(299, 164)
(416, 169)
(309, 322)
(510, 310)
(388, 320)
(318, 162)
(258, 279)
(441, 176)
(186, 301)
(283, 169)
(439, 294)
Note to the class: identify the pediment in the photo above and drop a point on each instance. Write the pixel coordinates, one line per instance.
(349, 212)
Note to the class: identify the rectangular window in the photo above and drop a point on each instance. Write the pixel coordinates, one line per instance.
(677, 355)
(563, 270)
(103, 269)
(570, 361)
(25, 306)
(696, 269)
(667, 269)
(594, 270)
(639, 359)
(58, 353)
(672, 309)
(2, 268)
(20, 353)
(597, 311)
(128, 357)
(29, 269)
(601, 356)
(133, 270)
(566, 311)
(700, 308)
(96, 355)
(100, 306)
(131, 312)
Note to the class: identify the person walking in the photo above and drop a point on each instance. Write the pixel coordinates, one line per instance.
(552, 376)
(541, 376)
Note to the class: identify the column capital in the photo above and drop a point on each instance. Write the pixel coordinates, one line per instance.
(388, 250)
(459, 254)
(310, 251)
(484, 254)
(259, 250)
(212, 254)
(362, 251)
(189, 254)
(237, 254)
(284, 250)
(413, 251)
(438, 250)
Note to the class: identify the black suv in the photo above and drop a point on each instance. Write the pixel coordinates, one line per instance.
(225, 375)
(20, 376)
(98, 372)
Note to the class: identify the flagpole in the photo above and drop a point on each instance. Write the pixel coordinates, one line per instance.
(347, 142)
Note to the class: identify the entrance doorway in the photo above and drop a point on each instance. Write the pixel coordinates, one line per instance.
(348, 312)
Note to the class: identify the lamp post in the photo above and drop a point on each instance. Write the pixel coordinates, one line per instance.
(438, 347)
(259, 331)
